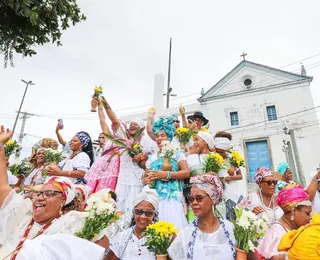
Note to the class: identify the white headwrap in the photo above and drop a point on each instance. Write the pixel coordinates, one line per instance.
(149, 195)
(65, 185)
(139, 121)
(208, 138)
(104, 196)
(223, 143)
(84, 190)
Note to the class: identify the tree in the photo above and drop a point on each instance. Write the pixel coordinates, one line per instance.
(24, 24)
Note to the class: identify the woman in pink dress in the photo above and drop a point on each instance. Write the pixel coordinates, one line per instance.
(104, 172)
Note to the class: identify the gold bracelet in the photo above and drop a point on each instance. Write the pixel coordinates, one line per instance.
(315, 180)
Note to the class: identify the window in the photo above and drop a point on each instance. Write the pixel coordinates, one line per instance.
(272, 113)
(247, 82)
(234, 118)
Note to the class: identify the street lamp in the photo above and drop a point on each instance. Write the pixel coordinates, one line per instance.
(25, 92)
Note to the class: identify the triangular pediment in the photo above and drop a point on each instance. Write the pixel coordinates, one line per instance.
(250, 76)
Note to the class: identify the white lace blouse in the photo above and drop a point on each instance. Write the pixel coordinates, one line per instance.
(207, 246)
(15, 216)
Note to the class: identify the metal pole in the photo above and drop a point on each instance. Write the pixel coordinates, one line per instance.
(297, 158)
(169, 72)
(24, 95)
(21, 135)
(291, 158)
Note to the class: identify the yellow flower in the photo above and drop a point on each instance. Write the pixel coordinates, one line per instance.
(152, 108)
(204, 130)
(136, 147)
(98, 90)
(9, 142)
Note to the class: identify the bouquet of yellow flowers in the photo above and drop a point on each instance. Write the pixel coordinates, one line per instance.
(100, 213)
(183, 134)
(214, 162)
(10, 147)
(159, 236)
(135, 149)
(98, 91)
(236, 159)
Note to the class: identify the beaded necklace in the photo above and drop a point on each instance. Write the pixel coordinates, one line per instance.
(26, 233)
(194, 235)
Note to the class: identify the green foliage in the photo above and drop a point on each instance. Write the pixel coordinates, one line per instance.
(54, 156)
(27, 23)
(11, 147)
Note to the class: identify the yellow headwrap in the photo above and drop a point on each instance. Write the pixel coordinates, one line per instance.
(304, 243)
(43, 143)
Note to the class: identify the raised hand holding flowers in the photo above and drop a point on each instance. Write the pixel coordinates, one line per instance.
(184, 135)
(98, 91)
(11, 147)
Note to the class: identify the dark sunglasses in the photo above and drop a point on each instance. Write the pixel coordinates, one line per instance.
(271, 182)
(176, 121)
(46, 193)
(199, 198)
(147, 213)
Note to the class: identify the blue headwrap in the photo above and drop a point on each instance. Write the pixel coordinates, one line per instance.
(282, 167)
(84, 139)
(174, 116)
(166, 125)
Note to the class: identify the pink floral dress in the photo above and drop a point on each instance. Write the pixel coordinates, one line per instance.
(105, 171)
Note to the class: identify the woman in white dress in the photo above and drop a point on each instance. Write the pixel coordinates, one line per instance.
(168, 184)
(208, 237)
(231, 176)
(48, 213)
(78, 163)
(263, 201)
(35, 177)
(129, 244)
(203, 142)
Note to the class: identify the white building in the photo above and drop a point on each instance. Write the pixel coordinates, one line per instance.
(255, 103)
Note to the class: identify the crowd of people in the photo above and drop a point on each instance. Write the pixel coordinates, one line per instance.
(41, 212)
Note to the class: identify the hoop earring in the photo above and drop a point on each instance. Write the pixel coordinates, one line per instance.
(292, 217)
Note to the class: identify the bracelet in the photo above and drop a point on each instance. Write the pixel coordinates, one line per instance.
(2, 146)
(315, 180)
(142, 157)
(168, 175)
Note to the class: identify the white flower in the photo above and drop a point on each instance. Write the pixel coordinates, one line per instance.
(169, 147)
(105, 208)
(244, 222)
(251, 245)
(92, 203)
(16, 162)
(249, 215)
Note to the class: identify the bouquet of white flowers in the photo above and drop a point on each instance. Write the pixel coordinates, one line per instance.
(100, 213)
(22, 167)
(248, 228)
(169, 149)
(53, 157)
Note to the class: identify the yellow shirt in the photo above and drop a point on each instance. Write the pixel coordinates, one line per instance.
(304, 243)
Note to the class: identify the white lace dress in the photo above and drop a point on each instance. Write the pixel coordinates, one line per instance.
(15, 216)
(130, 176)
(207, 246)
(34, 177)
(127, 246)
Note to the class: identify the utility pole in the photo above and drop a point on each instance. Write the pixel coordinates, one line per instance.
(300, 177)
(169, 89)
(24, 95)
(23, 125)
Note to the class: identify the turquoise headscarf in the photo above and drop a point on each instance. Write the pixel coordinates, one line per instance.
(282, 167)
(166, 125)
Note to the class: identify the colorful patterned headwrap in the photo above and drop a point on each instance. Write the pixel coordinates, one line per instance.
(291, 196)
(84, 138)
(304, 243)
(84, 190)
(262, 173)
(174, 116)
(282, 167)
(211, 184)
(166, 125)
(65, 185)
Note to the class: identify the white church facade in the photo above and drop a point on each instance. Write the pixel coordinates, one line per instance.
(270, 113)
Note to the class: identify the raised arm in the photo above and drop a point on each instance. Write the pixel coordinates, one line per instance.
(5, 189)
(150, 122)
(313, 186)
(60, 138)
(183, 117)
(102, 118)
(112, 116)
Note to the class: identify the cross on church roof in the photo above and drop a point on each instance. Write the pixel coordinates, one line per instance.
(244, 56)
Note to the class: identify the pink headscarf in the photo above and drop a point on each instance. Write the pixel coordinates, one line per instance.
(262, 173)
(289, 197)
(211, 184)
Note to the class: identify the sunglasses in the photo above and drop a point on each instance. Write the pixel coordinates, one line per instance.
(271, 182)
(46, 193)
(199, 198)
(176, 121)
(147, 213)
